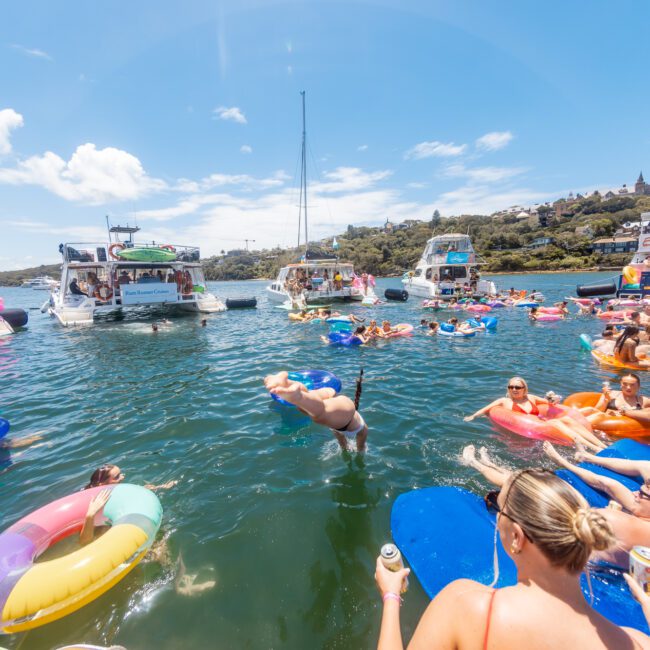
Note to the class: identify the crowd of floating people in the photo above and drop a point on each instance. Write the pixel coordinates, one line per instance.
(549, 530)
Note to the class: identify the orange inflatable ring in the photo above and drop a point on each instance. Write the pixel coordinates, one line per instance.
(103, 292)
(610, 360)
(613, 425)
(112, 247)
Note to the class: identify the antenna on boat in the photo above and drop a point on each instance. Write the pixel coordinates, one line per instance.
(303, 174)
(108, 227)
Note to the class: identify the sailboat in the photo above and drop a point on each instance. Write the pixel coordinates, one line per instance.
(315, 278)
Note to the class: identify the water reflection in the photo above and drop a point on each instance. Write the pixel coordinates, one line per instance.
(343, 592)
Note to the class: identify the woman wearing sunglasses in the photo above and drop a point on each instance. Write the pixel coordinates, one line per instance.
(549, 531)
(519, 400)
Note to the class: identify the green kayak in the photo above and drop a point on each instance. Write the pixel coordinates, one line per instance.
(146, 255)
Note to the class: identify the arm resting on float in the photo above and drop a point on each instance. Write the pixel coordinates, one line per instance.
(642, 416)
(485, 409)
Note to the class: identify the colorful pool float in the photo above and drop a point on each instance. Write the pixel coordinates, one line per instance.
(618, 426)
(32, 594)
(532, 426)
(4, 427)
(548, 318)
(401, 329)
(146, 255)
(609, 360)
(614, 315)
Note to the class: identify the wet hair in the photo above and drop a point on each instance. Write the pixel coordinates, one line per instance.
(609, 327)
(607, 333)
(423, 321)
(360, 330)
(628, 332)
(357, 392)
(453, 321)
(610, 308)
(635, 315)
(533, 310)
(556, 518)
(433, 325)
(633, 375)
(100, 476)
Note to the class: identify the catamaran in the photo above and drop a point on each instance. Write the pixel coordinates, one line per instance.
(316, 277)
(121, 275)
(447, 266)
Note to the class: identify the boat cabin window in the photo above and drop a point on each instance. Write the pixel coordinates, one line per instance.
(85, 280)
(418, 273)
(432, 275)
(452, 273)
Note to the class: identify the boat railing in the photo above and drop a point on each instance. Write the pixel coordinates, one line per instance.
(93, 252)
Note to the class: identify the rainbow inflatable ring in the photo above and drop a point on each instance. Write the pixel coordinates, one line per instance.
(34, 594)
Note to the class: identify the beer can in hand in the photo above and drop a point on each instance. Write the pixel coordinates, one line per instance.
(640, 566)
(391, 558)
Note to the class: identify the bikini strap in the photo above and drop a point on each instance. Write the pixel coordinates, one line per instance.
(489, 617)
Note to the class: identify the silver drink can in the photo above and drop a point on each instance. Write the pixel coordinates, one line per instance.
(391, 558)
(640, 566)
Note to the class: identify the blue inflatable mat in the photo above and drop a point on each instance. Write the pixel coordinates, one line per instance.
(625, 448)
(446, 533)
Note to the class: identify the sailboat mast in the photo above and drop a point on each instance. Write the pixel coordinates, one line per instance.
(304, 166)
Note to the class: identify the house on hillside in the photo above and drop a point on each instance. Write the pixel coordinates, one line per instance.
(608, 245)
(540, 242)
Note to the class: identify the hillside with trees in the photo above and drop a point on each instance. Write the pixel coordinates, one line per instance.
(500, 240)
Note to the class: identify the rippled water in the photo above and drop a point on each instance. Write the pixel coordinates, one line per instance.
(286, 524)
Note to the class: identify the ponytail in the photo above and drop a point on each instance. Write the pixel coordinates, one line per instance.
(628, 332)
(357, 394)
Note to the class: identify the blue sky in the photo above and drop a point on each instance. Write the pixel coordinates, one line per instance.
(185, 117)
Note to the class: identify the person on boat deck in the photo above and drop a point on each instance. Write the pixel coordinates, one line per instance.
(91, 283)
(159, 275)
(549, 531)
(125, 278)
(106, 475)
(75, 290)
(337, 412)
(338, 281)
(627, 402)
(519, 400)
(171, 278)
(625, 349)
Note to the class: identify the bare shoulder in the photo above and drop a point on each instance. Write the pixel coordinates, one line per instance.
(463, 596)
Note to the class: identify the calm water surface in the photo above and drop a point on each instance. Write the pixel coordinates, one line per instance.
(287, 525)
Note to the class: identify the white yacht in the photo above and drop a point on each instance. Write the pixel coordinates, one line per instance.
(448, 263)
(42, 283)
(316, 278)
(98, 278)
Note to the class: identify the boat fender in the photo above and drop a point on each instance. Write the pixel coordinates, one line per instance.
(396, 294)
(241, 303)
(589, 290)
(15, 317)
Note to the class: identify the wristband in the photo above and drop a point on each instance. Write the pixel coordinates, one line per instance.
(389, 595)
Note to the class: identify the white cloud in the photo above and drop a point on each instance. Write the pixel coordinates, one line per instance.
(434, 149)
(246, 148)
(9, 120)
(232, 114)
(494, 140)
(484, 174)
(417, 186)
(92, 176)
(244, 181)
(32, 52)
(347, 179)
(484, 199)
(362, 147)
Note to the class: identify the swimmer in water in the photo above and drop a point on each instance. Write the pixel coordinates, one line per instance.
(337, 412)
(433, 328)
(154, 327)
(204, 322)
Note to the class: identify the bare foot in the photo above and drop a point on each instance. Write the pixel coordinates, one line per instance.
(485, 459)
(552, 453)
(581, 453)
(468, 457)
(279, 379)
(289, 393)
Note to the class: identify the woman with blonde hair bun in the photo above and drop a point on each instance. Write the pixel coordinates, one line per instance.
(549, 531)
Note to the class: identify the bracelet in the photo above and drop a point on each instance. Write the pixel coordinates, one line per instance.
(389, 595)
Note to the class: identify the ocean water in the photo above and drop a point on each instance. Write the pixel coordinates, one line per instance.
(267, 505)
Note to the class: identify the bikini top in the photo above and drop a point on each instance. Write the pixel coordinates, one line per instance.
(533, 411)
(611, 405)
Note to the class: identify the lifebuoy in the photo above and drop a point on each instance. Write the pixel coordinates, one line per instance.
(103, 292)
(114, 246)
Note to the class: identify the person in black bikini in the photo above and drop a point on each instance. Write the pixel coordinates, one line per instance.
(325, 407)
(519, 400)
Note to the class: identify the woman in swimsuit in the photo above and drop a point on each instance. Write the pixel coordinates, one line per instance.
(626, 345)
(325, 407)
(519, 400)
(625, 402)
(549, 531)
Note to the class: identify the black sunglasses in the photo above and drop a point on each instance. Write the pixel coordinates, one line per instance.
(515, 387)
(492, 505)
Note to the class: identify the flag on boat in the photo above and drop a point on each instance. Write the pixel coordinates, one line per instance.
(335, 244)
